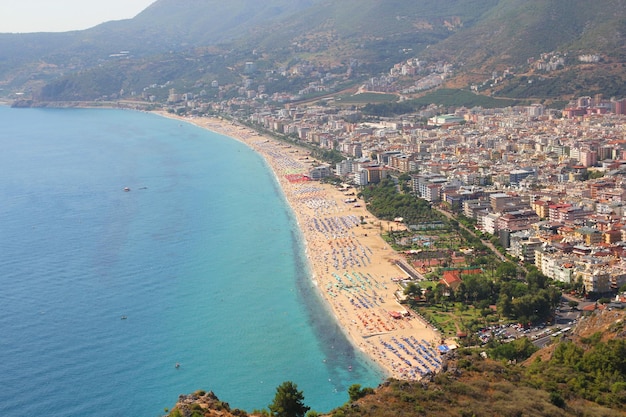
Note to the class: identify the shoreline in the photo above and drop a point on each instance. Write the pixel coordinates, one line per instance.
(350, 264)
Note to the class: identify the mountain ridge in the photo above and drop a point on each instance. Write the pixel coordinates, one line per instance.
(477, 37)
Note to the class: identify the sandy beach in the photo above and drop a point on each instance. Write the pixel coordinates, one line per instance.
(351, 264)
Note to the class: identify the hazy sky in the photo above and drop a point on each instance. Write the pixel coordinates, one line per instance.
(64, 15)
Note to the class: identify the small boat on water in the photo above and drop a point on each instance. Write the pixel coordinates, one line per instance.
(177, 365)
(126, 189)
(123, 318)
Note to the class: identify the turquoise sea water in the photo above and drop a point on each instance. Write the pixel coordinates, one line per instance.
(202, 257)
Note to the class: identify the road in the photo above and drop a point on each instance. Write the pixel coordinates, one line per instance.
(484, 242)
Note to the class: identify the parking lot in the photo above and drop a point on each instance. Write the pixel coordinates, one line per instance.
(565, 319)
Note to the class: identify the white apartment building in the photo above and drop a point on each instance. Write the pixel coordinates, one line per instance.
(489, 222)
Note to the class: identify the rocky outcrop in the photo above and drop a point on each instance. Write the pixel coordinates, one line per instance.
(205, 404)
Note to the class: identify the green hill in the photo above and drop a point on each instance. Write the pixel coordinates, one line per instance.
(187, 43)
(514, 31)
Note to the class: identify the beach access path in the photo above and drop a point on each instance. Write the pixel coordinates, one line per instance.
(351, 265)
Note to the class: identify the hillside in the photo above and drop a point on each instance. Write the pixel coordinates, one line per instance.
(545, 385)
(28, 61)
(174, 25)
(328, 33)
(513, 31)
(514, 34)
(194, 42)
(374, 29)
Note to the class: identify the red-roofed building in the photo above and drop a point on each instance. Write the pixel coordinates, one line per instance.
(593, 307)
(451, 279)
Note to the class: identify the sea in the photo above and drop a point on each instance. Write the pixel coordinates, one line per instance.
(114, 302)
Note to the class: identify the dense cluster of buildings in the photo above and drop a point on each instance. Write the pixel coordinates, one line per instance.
(552, 188)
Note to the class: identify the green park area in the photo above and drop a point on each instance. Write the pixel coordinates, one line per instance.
(457, 318)
(364, 98)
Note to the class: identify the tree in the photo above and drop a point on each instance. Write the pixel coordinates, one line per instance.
(536, 280)
(355, 392)
(413, 290)
(440, 290)
(429, 295)
(288, 401)
(506, 271)
(504, 305)
(556, 399)
(519, 350)
(579, 285)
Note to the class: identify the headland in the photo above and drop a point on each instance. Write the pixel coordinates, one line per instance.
(354, 269)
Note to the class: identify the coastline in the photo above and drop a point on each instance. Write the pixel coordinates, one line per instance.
(350, 264)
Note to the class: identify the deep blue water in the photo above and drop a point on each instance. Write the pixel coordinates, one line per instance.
(202, 256)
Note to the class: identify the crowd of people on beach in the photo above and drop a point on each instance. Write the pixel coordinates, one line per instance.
(415, 359)
(360, 298)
